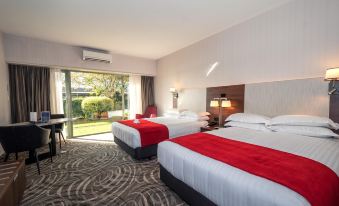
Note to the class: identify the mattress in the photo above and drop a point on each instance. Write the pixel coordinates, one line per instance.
(227, 185)
(176, 127)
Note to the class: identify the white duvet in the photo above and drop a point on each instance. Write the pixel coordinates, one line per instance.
(176, 127)
(227, 185)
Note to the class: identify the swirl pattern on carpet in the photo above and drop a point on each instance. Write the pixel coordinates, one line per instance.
(97, 173)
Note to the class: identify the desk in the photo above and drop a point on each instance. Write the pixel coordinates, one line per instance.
(51, 125)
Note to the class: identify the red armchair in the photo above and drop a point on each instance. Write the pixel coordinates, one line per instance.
(151, 111)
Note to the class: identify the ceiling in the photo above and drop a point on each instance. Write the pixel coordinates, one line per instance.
(144, 28)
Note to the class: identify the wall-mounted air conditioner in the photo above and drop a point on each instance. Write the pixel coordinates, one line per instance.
(96, 56)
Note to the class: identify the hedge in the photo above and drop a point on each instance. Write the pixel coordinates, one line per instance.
(93, 107)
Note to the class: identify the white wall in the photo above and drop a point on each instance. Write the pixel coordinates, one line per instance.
(4, 103)
(38, 52)
(4, 98)
(297, 40)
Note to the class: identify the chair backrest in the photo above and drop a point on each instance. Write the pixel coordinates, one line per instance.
(151, 110)
(23, 138)
(58, 116)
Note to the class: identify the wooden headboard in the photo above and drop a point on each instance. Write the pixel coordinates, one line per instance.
(235, 93)
(334, 109)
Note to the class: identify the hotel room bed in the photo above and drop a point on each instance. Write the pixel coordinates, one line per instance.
(129, 138)
(198, 177)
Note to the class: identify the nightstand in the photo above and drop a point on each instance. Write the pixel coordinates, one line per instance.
(208, 128)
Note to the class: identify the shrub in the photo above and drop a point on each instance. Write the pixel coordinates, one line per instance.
(76, 107)
(93, 107)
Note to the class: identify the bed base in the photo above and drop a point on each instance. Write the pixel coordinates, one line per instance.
(187, 193)
(139, 152)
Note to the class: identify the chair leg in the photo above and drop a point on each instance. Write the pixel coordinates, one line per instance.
(50, 151)
(37, 161)
(16, 156)
(63, 137)
(60, 140)
(6, 157)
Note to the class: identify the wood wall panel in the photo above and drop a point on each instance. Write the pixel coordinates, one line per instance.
(334, 109)
(235, 93)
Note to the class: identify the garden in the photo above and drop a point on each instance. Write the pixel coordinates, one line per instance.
(97, 101)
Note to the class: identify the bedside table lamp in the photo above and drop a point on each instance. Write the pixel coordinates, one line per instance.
(332, 75)
(221, 103)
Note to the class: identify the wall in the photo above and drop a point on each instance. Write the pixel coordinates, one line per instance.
(38, 52)
(4, 103)
(298, 40)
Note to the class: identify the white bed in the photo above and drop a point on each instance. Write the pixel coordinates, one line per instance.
(176, 127)
(227, 185)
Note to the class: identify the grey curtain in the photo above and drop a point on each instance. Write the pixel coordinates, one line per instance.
(147, 92)
(29, 91)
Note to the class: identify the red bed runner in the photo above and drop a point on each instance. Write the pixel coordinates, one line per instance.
(150, 132)
(313, 180)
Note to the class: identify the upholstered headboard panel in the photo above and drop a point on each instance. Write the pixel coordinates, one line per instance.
(304, 96)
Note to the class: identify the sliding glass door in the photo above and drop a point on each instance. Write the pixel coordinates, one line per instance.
(95, 100)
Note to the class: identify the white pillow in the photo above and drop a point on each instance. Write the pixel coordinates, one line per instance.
(260, 127)
(305, 130)
(204, 118)
(189, 114)
(304, 120)
(202, 114)
(248, 118)
(172, 113)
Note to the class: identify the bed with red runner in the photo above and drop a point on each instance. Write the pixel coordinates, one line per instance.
(310, 181)
(141, 139)
(150, 132)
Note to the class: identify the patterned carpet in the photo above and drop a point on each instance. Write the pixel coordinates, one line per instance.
(96, 173)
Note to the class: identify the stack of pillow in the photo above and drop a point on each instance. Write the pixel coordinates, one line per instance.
(202, 116)
(186, 114)
(304, 125)
(294, 124)
(174, 113)
(248, 121)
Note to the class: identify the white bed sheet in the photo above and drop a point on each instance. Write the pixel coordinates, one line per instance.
(176, 127)
(227, 185)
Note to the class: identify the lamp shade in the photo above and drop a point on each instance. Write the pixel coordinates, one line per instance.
(214, 103)
(226, 103)
(332, 74)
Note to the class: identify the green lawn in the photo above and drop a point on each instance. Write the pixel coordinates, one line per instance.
(84, 127)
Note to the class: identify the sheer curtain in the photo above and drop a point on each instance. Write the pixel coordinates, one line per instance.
(56, 91)
(134, 96)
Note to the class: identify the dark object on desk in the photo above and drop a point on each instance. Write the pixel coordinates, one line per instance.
(208, 128)
(12, 183)
(21, 138)
(59, 127)
(45, 116)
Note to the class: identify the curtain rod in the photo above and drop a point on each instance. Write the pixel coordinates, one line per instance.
(93, 70)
